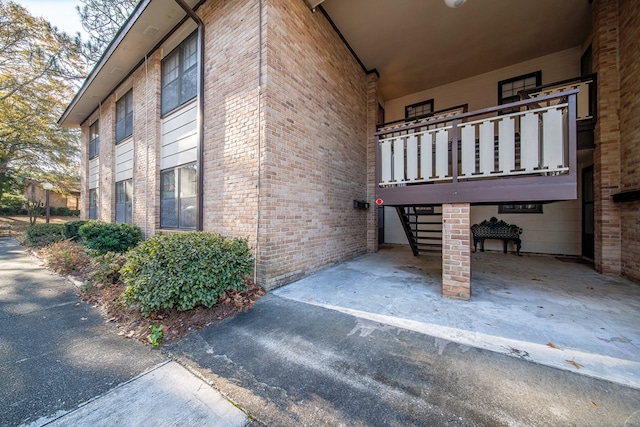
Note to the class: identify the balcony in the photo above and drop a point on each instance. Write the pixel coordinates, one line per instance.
(519, 152)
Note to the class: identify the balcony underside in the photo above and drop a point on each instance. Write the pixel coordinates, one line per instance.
(488, 191)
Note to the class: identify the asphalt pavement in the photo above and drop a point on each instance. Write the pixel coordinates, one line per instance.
(62, 364)
(283, 363)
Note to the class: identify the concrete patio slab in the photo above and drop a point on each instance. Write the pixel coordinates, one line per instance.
(535, 307)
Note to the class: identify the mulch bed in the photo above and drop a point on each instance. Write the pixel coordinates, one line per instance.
(176, 323)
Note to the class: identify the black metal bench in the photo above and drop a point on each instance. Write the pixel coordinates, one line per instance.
(494, 229)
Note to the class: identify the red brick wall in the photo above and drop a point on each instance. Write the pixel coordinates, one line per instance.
(607, 136)
(456, 251)
(629, 57)
(231, 117)
(312, 148)
(146, 145)
(315, 152)
(372, 146)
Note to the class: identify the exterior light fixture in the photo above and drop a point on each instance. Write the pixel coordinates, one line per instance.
(454, 3)
(47, 187)
(312, 4)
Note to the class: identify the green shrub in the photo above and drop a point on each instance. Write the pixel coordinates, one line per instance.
(183, 270)
(63, 211)
(103, 237)
(107, 268)
(44, 234)
(65, 257)
(12, 204)
(71, 229)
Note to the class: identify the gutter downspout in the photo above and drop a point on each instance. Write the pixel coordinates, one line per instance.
(258, 186)
(200, 163)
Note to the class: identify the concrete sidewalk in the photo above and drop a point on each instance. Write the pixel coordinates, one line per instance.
(537, 308)
(61, 364)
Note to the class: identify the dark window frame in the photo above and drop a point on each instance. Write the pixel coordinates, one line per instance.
(178, 220)
(124, 208)
(409, 116)
(93, 203)
(512, 98)
(523, 208)
(94, 139)
(183, 68)
(124, 123)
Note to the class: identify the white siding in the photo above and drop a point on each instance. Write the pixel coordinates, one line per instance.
(481, 91)
(393, 231)
(94, 173)
(124, 160)
(179, 137)
(556, 231)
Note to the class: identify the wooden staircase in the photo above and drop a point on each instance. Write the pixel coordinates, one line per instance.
(423, 227)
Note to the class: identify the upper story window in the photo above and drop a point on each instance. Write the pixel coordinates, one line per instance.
(419, 110)
(124, 116)
(94, 139)
(180, 75)
(508, 90)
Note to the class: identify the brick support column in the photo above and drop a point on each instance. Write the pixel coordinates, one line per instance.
(372, 114)
(607, 136)
(456, 251)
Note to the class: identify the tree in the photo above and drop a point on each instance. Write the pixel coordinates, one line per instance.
(39, 70)
(102, 19)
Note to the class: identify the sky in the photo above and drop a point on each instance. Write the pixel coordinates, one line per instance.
(60, 13)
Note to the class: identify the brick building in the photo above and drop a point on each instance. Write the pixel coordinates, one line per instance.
(271, 119)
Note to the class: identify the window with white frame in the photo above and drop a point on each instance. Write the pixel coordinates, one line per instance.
(178, 197)
(124, 116)
(94, 139)
(180, 75)
(93, 203)
(124, 198)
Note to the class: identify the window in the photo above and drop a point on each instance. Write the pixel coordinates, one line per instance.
(93, 203)
(526, 208)
(124, 116)
(180, 75)
(124, 196)
(94, 140)
(508, 89)
(178, 190)
(419, 110)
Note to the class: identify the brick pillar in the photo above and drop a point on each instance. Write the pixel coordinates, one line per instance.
(372, 114)
(607, 136)
(629, 34)
(456, 251)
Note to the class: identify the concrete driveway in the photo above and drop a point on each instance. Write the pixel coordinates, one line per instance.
(535, 307)
(370, 342)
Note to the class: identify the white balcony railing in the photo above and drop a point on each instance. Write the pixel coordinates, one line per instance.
(584, 99)
(473, 146)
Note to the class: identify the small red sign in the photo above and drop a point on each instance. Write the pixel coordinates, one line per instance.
(379, 202)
